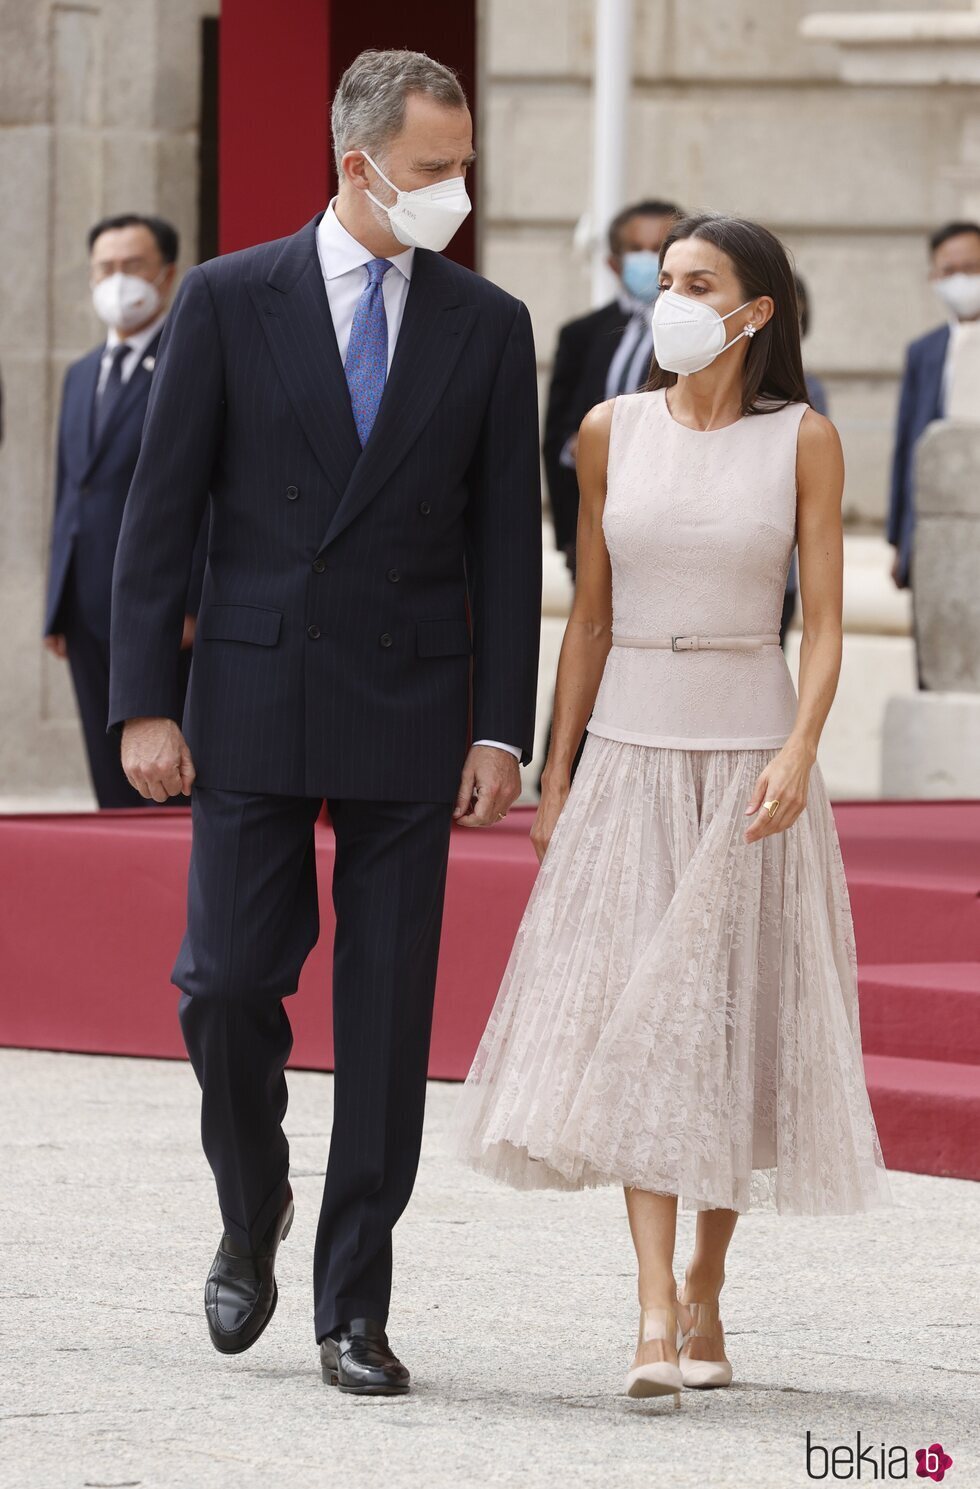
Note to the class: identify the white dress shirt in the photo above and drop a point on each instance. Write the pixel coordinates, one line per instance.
(138, 341)
(342, 262)
(961, 372)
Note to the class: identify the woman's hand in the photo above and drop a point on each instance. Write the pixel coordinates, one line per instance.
(553, 798)
(785, 779)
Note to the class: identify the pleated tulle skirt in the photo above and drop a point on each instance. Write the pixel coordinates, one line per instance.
(679, 1011)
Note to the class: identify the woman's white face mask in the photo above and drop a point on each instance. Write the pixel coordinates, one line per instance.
(427, 217)
(688, 335)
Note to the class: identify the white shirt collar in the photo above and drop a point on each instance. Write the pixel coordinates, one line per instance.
(340, 252)
(141, 340)
(630, 305)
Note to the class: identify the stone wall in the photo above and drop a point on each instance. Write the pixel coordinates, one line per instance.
(732, 111)
(99, 108)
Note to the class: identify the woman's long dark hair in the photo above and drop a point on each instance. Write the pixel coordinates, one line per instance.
(773, 367)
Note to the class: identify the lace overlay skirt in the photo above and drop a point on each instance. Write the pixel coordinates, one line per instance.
(679, 1011)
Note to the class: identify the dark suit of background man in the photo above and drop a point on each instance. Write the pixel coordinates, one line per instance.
(358, 515)
(132, 263)
(933, 364)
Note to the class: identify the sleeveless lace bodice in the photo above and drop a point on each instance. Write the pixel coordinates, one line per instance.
(700, 526)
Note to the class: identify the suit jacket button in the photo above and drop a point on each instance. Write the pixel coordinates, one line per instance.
(318, 566)
(386, 639)
(292, 492)
(313, 632)
(394, 575)
(424, 508)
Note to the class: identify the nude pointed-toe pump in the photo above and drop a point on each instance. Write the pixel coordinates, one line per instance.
(660, 1378)
(702, 1375)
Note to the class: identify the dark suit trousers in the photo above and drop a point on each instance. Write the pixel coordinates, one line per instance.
(252, 922)
(88, 660)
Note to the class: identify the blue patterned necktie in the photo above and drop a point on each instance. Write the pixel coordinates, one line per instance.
(366, 364)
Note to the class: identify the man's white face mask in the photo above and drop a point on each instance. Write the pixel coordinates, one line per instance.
(428, 217)
(123, 301)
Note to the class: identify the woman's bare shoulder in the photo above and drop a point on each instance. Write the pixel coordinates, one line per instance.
(818, 435)
(596, 425)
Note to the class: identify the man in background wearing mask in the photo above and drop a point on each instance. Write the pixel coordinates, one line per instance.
(132, 266)
(941, 380)
(603, 353)
(364, 414)
(600, 355)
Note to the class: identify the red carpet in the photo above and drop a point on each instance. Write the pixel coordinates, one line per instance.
(93, 908)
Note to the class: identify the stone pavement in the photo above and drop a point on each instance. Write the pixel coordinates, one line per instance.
(515, 1313)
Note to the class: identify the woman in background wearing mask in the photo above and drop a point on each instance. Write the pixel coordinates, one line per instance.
(679, 1013)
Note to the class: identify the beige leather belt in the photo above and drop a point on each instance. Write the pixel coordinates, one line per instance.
(700, 643)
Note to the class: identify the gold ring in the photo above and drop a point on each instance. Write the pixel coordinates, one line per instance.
(771, 806)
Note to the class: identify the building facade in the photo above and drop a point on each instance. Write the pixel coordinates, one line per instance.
(732, 109)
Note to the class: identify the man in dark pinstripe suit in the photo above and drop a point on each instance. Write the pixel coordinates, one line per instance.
(363, 414)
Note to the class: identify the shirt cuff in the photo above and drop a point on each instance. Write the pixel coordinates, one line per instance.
(496, 745)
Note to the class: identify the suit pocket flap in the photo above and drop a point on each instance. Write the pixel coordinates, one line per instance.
(443, 638)
(252, 623)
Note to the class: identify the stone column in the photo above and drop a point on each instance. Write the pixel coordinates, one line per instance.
(931, 739)
(99, 107)
(931, 742)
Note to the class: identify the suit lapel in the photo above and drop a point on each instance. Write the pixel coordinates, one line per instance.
(434, 328)
(136, 387)
(295, 314)
(78, 416)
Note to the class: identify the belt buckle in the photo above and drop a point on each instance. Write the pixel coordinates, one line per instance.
(674, 640)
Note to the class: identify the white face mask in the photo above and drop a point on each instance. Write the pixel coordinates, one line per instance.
(125, 300)
(428, 217)
(687, 335)
(960, 293)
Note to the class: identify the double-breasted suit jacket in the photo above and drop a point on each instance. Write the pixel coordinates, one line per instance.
(349, 594)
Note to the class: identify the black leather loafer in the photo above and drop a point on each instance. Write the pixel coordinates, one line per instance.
(357, 1359)
(240, 1295)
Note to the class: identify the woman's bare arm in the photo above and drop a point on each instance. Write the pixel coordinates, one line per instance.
(589, 629)
(820, 538)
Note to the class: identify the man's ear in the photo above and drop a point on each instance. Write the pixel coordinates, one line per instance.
(353, 168)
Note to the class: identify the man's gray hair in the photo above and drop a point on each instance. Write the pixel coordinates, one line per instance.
(369, 104)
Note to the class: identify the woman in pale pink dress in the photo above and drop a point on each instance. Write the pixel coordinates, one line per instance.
(679, 1013)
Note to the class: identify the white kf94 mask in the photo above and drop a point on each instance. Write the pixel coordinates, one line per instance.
(428, 217)
(687, 334)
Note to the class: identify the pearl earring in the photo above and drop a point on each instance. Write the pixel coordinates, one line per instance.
(750, 330)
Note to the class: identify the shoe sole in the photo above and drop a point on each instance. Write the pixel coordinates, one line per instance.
(239, 1349)
(330, 1378)
(643, 1388)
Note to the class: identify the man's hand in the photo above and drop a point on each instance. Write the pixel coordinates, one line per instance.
(57, 645)
(156, 759)
(490, 784)
(895, 566)
(187, 638)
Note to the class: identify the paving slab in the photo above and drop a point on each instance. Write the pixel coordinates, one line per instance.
(515, 1313)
